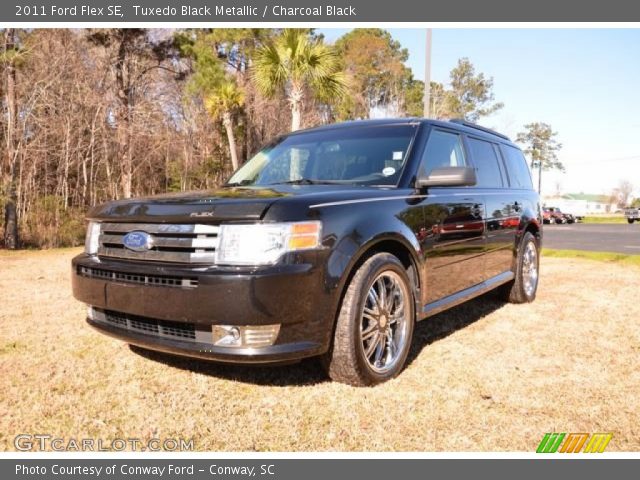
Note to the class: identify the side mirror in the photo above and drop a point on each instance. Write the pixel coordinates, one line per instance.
(448, 177)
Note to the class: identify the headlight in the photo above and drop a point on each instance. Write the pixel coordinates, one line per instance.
(91, 242)
(265, 243)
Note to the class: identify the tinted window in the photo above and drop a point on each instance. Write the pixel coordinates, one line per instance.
(519, 175)
(486, 163)
(444, 149)
(358, 154)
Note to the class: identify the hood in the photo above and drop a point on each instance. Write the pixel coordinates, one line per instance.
(225, 204)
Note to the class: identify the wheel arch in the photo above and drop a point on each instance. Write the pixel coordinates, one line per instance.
(530, 222)
(395, 244)
(532, 226)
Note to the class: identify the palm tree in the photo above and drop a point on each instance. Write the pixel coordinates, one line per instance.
(292, 62)
(222, 102)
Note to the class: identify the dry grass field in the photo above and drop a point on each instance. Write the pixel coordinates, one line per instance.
(483, 377)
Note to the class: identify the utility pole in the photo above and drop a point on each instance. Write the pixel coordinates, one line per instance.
(427, 77)
(540, 177)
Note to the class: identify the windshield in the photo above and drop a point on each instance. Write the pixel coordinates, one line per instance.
(367, 155)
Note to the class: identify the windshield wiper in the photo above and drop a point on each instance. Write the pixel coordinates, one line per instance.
(305, 181)
(239, 184)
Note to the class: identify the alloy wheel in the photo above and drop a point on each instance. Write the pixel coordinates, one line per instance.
(385, 321)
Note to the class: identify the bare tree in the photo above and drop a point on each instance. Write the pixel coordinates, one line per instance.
(625, 189)
(10, 56)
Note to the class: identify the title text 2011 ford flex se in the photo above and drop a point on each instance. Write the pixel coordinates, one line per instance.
(329, 242)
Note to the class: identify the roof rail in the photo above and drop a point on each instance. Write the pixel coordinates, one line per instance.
(461, 121)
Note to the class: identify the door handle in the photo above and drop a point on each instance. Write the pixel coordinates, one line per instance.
(477, 210)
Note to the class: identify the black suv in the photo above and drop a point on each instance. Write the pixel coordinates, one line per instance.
(329, 242)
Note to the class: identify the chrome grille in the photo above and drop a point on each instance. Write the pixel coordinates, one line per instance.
(183, 243)
(153, 280)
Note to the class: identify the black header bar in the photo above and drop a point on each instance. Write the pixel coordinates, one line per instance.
(314, 11)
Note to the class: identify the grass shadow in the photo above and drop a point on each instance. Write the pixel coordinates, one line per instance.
(450, 321)
(309, 372)
(304, 372)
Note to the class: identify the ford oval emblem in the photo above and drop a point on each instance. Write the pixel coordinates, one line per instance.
(138, 241)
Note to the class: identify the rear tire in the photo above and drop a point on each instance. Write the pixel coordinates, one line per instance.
(375, 324)
(630, 220)
(524, 287)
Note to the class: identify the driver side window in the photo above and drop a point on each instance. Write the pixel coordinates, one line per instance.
(444, 149)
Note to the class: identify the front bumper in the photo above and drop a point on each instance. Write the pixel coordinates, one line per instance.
(263, 355)
(292, 295)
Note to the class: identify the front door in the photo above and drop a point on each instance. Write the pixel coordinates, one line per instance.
(453, 239)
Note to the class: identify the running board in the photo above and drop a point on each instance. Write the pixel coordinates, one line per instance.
(462, 296)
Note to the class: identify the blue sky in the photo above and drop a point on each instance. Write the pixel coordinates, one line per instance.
(584, 82)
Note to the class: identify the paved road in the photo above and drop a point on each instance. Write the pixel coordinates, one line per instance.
(619, 238)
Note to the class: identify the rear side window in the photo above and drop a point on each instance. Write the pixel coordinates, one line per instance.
(444, 149)
(486, 164)
(517, 168)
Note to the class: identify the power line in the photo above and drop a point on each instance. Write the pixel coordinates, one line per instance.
(604, 160)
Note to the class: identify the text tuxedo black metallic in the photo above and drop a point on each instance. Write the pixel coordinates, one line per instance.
(329, 242)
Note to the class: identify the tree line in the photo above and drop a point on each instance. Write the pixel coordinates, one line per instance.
(91, 115)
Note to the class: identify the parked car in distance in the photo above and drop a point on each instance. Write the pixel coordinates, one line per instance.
(550, 215)
(562, 216)
(576, 208)
(329, 242)
(555, 215)
(632, 214)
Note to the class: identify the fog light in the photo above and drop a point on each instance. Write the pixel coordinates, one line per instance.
(244, 336)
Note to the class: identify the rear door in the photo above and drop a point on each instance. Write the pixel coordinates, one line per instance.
(501, 216)
(522, 199)
(453, 234)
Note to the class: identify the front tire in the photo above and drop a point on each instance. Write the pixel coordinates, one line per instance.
(524, 287)
(630, 220)
(375, 324)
